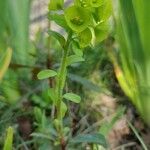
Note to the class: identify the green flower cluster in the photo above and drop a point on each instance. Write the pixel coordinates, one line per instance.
(88, 19)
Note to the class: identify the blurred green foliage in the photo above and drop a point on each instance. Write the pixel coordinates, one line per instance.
(133, 69)
(14, 28)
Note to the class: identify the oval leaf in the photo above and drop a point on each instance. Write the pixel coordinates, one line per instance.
(58, 36)
(72, 97)
(46, 74)
(74, 59)
(59, 19)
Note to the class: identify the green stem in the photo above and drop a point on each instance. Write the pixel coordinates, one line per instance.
(60, 84)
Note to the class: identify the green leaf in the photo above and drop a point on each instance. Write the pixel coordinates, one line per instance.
(90, 138)
(74, 59)
(58, 36)
(101, 32)
(38, 114)
(46, 74)
(78, 52)
(4, 62)
(85, 82)
(56, 4)
(76, 49)
(44, 119)
(56, 124)
(52, 94)
(9, 139)
(63, 109)
(38, 100)
(72, 97)
(85, 37)
(59, 19)
(78, 19)
(41, 135)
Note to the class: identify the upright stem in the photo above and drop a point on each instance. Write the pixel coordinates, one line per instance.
(60, 82)
(60, 86)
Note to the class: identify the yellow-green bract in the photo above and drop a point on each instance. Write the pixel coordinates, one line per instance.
(78, 19)
(85, 37)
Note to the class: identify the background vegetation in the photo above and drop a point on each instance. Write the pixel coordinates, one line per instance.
(112, 81)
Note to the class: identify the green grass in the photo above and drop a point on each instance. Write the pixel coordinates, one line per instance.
(133, 71)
